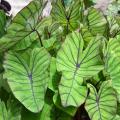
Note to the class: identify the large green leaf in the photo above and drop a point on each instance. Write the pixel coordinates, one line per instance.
(24, 27)
(112, 62)
(67, 18)
(28, 79)
(102, 105)
(76, 64)
(12, 112)
(96, 21)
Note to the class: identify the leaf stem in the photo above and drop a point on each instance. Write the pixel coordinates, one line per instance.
(39, 38)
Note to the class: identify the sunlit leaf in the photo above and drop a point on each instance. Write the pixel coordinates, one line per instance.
(28, 80)
(112, 62)
(76, 64)
(69, 19)
(96, 21)
(101, 105)
(23, 30)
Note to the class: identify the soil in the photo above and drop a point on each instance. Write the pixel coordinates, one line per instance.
(81, 114)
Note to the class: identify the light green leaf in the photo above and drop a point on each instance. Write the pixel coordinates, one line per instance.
(96, 21)
(28, 80)
(54, 81)
(76, 64)
(102, 105)
(112, 62)
(23, 30)
(117, 117)
(113, 26)
(49, 43)
(87, 36)
(68, 19)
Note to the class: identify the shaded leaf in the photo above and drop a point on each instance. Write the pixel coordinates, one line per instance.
(12, 113)
(69, 110)
(51, 112)
(2, 23)
(54, 77)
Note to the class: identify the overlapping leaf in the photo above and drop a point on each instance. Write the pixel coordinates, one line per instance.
(54, 78)
(23, 29)
(96, 21)
(101, 105)
(69, 110)
(28, 79)
(69, 18)
(113, 62)
(3, 111)
(10, 113)
(76, 64)
(51, 112)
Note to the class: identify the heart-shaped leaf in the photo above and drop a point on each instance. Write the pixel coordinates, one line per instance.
(28, 79)
(24, 28)
(69, 18)
(102, 105)
(75, 64)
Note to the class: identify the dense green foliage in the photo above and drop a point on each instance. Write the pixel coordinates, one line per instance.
(62, 67)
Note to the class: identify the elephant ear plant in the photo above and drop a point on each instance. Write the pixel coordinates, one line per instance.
(65, 66)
